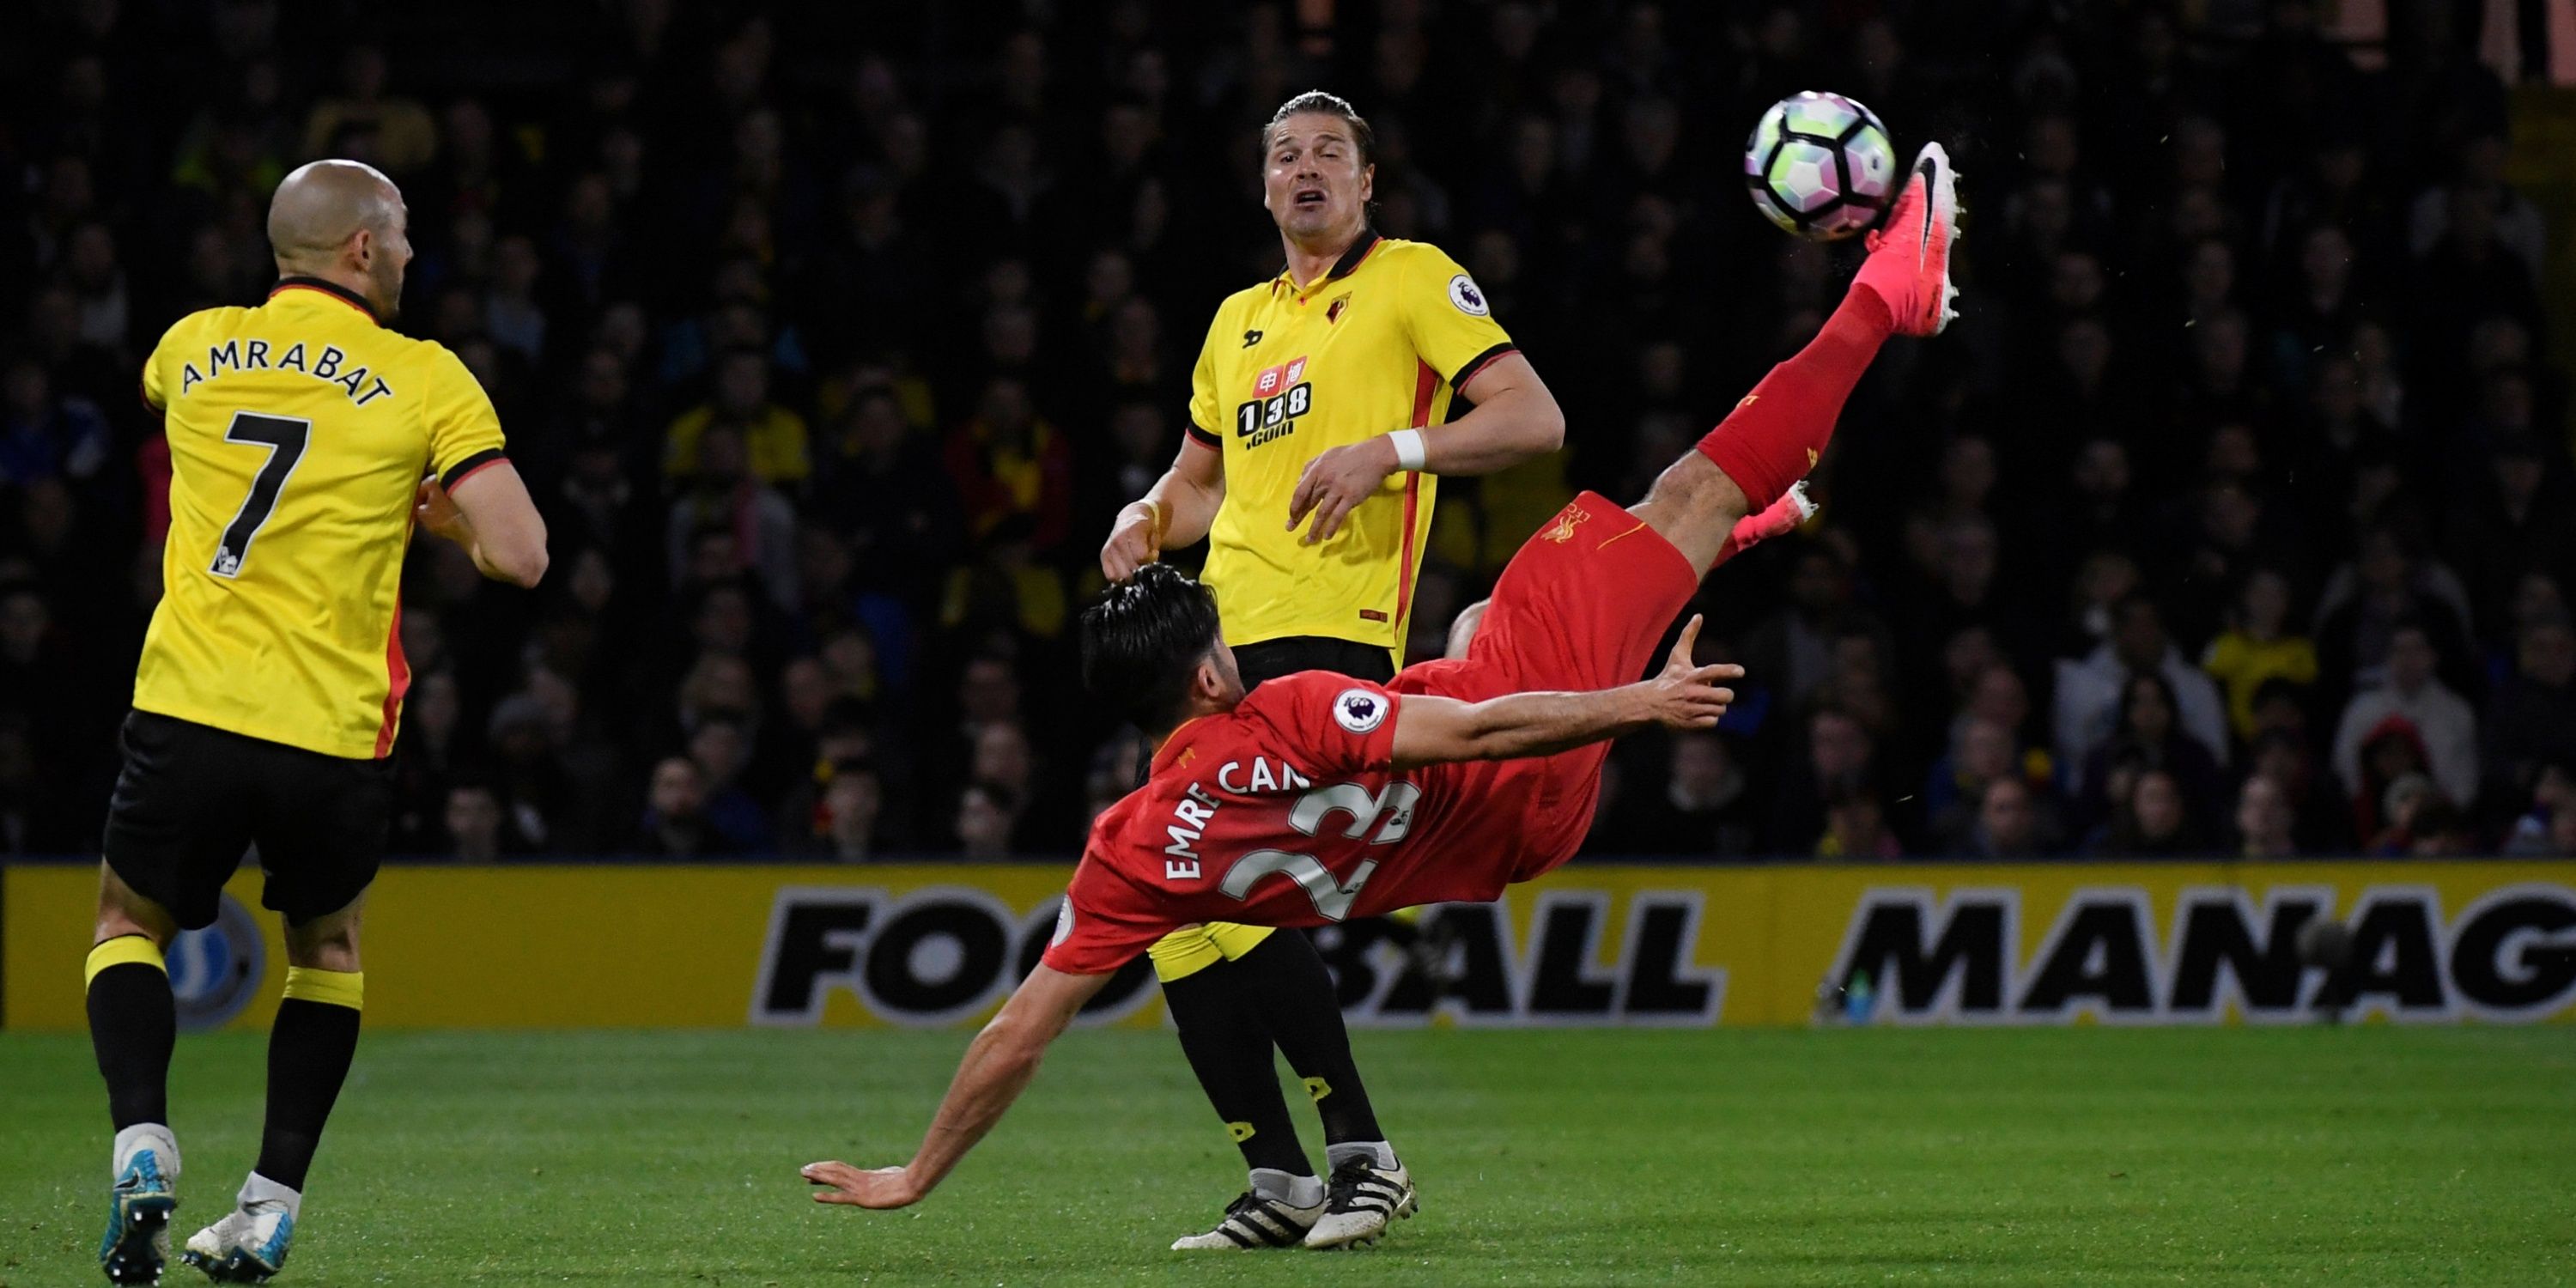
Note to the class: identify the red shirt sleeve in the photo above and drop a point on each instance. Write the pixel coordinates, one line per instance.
(1104, 923)
(1328, 725)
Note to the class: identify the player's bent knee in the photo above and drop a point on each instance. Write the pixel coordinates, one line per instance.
(334, 952)
(123, 911)
(1693, 485)
(328, 942)
(1693, 505)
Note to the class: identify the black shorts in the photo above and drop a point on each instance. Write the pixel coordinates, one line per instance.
(192, 798)
(1270, 659)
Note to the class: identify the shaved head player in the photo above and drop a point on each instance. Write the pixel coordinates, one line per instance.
(306, 441)
(1318, 797)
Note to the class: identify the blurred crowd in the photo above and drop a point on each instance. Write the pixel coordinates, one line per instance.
(2234, 516)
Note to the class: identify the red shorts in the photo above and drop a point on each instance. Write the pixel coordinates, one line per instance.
(1582, 606)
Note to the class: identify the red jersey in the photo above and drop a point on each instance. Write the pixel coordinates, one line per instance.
(1286, 811)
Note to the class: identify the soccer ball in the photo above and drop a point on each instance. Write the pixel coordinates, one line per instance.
(1820, 166)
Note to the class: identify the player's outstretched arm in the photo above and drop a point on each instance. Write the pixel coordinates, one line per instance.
(492, 516)
(1177, 511)
(997, 1068)
(1433, 730)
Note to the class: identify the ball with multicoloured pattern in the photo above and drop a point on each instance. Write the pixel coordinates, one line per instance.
(1820, 166)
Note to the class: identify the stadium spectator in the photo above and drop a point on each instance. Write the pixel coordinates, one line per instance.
(535, 795)
(987, 814)
(2537, 832)
(2151, 821)
(2531, 719)
(773, 438)
(2367, 600)
(2416, 820)
(2516, 519)
(2443, 724)
(45, 435)
(721, 748)
(1982, 753)
(731, 523)
(1839, 756)
(2258, 647)
(1705, 808)
(2090, 692)
(473, 823)
(886, 494)
(1791, 651)
(675, 824)
(367, 123)
(2393, 775)
(847, 820)
(2009, 824)
(1856, 827)
(2148, 734)
(1009, 462)
(2264, 821)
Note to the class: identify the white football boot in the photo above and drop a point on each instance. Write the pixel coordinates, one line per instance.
(1363, 1201)
(247, 1247)
(1253, 1222)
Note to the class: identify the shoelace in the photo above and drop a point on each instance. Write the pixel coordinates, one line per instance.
(1347, 1182)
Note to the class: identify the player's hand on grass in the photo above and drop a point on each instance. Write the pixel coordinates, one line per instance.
(1134, 541)
(433, 509)
(1687, 695)
(884, 1187)
(1336, 482)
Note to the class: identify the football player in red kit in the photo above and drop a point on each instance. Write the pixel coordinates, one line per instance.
(1319, 797)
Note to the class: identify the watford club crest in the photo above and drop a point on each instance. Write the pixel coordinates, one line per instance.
(1333, 311)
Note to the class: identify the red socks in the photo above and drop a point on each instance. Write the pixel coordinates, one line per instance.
(1774, 436)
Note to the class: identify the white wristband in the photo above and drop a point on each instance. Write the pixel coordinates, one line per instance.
(1408, 448)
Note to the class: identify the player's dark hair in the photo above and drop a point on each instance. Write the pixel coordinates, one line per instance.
(1143, 639)
(1316, 100)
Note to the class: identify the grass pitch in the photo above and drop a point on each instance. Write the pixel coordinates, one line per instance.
(2354, 1156)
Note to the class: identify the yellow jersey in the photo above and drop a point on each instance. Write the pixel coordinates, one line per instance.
(1380, 343)
(299, 431)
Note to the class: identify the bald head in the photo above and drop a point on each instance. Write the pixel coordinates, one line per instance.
(342, 221)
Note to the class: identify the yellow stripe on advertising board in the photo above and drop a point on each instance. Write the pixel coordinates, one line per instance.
(703, 947)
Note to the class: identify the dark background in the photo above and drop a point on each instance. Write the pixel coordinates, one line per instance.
(916, 290)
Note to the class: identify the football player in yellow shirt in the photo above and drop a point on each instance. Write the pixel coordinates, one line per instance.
(306, 440)
(1313, 457)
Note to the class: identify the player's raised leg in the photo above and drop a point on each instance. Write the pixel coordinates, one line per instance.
(309, 1049)
(1775, 435)
(133, 1024)
(1585, 601)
